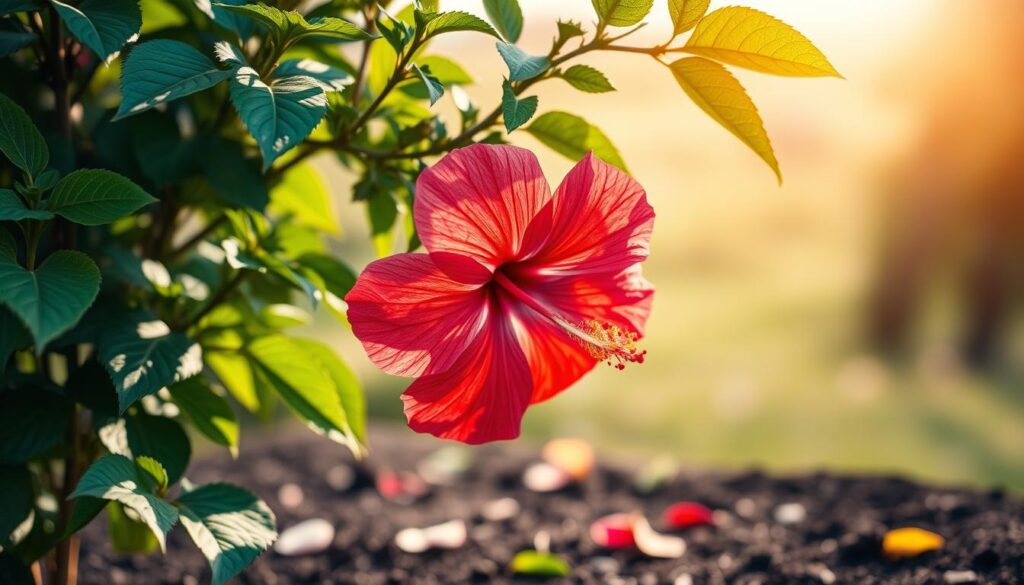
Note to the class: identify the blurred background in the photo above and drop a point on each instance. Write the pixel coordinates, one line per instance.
(864, 316)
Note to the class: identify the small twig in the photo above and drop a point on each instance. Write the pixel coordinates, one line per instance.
(222, 295)
(199, 236)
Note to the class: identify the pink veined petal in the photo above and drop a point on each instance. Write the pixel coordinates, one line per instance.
(479, 202)
(483, 396)
(600, 222)
(411, 317)
(623, 299)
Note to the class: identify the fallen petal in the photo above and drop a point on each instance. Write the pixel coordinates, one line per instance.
(308, 537)
(401, 486)
(574, 456)
(656, 545)
(791, 513)
(688, 515)
(544, 477)
(290, 495)
(412, 540)
(910, 542)
(450, 535)
(500, 509)
(614, 531)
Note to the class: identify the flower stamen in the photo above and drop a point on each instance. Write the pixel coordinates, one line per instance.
(606, 342)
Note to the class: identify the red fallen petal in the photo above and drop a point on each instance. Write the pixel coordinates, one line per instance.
(400, 486)
(479, 202)
(614, 531)
(688, 514)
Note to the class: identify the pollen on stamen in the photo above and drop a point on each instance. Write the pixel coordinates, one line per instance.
(609, 343)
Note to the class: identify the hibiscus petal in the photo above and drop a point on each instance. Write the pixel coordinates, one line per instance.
(556, 359)
(413, 318)
(479, 202)
(482, 397)
(600, 221)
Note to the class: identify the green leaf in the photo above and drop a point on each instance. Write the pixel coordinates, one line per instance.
(338, 277)
(51, 299)
(446, 22)
(434, 88)
(686, 14)
(350, 391)
(329, 78)
(13, 208)
(236, 373)
(306, 387)
(507, 17)
(521, 65)
(12, 40)
(568, 29)
(622, 12)
(209, 412)
(155, 470)
(288, 24)
(142, 355)
(13, 335)
(237, 23)
(11, 6)
(574, 137)
(161, 439)
(117, 478)
(85, 509)
(751, 39)
(127, 535)
(382, 212)
(161, 71)
(303, 195)
(586, 78)
(16, 486)
(721, 96)
(515, 111)
(14, 571)
(538, 564)
(96, 197)
(279, 116)
(102, 25)
(20, 140)
(32, 421)
(234, 176)
(229, 525)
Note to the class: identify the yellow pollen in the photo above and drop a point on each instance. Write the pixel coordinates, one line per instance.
(606, 342)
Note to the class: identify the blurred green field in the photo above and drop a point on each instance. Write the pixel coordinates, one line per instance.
(756, 351)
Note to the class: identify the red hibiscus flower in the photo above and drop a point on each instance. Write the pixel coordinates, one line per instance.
(522, 292)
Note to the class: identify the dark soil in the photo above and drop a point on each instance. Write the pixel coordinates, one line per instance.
(839, 541)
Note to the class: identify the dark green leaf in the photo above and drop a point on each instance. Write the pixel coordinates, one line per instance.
(446, 22)
(382, 212)
(234, 176)
(507, 17)
(288, 24)
(11, 6)
(686, 13)
(306, 387)
(90, 386)
(18, 497)
(237, 23)
(12, 208)
(622, 12)
(96, 197)
(13, 571)
(208, 410)
(13, 335)
(521, 65)
(85, 509)
(538, 564)
(586, 78)
(164, 155)
(20, 140)
(32, 421)
(102, 25)
(434, 88)
(337, 276)
(229, 525)
(127, 535)
(330, 78)
(51, 299)
(12, 40)
(159, 438)
(515, 111)
(142, 355)
(279, 116)
(116, 478)
(574, 137)
(161, 71)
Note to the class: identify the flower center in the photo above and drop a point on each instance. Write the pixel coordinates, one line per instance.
(603, 341)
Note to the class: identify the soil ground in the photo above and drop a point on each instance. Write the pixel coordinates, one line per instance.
(839, 541)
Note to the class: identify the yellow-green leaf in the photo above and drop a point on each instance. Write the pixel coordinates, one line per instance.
(720, 95)
(751, 39)
(686, 13)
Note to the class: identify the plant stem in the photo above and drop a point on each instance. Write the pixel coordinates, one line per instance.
(212, 225)
(221, 296)
(67, 549)
(59, 73)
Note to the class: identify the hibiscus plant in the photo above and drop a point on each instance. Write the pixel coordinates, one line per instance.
(163, 227)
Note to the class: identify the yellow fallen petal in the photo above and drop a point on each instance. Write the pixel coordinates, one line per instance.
(910, 542)
(574, 456)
